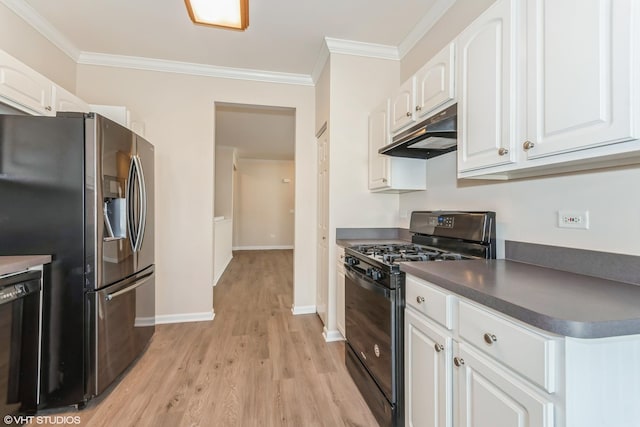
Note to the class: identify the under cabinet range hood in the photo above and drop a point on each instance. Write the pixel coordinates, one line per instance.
(432, 137)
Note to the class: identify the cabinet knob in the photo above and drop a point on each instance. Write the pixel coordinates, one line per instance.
(420, 299)
(528, 145)
(418, 108)
(408, 113)
(490, 338)
(48, 108)
(438, 347)
(502, 151)
(458, 361)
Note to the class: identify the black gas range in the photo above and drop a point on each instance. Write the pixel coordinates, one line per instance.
(374, 299)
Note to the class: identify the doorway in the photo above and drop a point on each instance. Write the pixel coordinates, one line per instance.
(254, 184)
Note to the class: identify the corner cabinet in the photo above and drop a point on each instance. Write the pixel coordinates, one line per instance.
(549, 86)
(66, 101)
(386, 173)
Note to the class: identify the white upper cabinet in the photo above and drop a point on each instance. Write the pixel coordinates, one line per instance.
(66, 101)
(435, 82)
(122, 115)
(386, 173)
(431, 88)
(402, 105)
(549, 86)
(378, 138)
(23, 88)
(579, 68)
(486, 108)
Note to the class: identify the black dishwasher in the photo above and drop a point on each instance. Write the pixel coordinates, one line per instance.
(19, 343)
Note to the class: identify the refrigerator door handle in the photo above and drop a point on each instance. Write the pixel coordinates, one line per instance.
(143, 203)
(130, 207)
(135, 285)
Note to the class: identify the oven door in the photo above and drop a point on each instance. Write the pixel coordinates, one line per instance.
(370, 317)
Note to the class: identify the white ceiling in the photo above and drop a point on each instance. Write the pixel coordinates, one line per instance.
(283, 35)
(257, 132)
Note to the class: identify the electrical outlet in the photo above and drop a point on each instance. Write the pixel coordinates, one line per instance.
(573, 219)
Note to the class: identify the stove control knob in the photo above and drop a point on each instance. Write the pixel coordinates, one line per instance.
(376, 274)
(351, 260)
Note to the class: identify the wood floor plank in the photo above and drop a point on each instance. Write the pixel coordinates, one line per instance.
(255, 365)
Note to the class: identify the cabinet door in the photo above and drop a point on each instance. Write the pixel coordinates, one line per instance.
(490, 396)
(580, 76)
(24, 88)
(66, 101)
(428, 377)
(402, 105)
(378, 138)
(435, 82)
(486, 60)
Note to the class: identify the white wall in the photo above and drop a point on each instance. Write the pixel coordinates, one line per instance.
(223, 205)
(527, 209)
(353, 91)
(264, 218)
(178, 111)
(21, 41)
(456, 19)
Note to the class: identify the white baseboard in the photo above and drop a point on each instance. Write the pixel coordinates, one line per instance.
(226, 264)
(261, 248)
(303, 309)
(331, 336)
(185, 317)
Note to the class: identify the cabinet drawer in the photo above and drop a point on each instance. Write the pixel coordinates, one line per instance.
(430, 301)
(529, 353)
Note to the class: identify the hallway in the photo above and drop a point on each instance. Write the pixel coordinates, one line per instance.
(255, 365)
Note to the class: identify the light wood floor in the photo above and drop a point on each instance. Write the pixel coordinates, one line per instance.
(255, 365)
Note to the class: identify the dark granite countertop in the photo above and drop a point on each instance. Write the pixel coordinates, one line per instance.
(15, 264)
(564, 303)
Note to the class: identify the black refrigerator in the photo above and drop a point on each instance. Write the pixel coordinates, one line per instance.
(80, 187)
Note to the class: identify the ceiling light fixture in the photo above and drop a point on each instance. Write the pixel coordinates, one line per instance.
(233, 14)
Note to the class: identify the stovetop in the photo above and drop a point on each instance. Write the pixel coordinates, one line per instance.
(390, 254)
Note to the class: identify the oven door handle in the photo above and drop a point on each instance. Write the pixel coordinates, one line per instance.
(366, 283)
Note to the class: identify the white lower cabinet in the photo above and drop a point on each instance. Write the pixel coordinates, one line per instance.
(488, 395)
(477, 370)
(428, 383)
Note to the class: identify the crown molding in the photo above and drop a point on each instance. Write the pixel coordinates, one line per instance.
(44, 27)
(371, 50)
(165, 66)
(323, 57)
(424, 25)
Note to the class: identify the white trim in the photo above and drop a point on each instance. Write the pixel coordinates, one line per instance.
(44, 27)
(261, 248)
(226, 264)
(424, 25)
(190, 68)
(320, 63)
(303, 309)
(331, 336)
(185, 317)
(371, 50)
